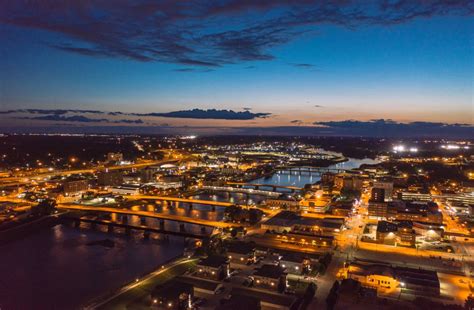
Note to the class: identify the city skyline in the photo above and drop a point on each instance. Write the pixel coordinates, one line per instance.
(271, 64)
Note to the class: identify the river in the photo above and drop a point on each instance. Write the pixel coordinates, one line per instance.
(300, 179)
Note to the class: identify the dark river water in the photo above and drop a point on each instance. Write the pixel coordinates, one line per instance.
(57, 268)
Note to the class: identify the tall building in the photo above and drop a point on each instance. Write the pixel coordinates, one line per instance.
(109, 178)
(377, 195)
(387, 186)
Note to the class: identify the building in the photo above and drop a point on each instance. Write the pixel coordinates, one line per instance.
(109, 178)
(114, 157)
(201, 286)
(385, 278)
(377, 195)
(315, 203)
(295, 263)
(282, 221)
(378, 210)
(284, 201)
(303, 240)
(345, 181)
(415, 211)
(213, 267)
(341, 208)
(267, 299)
(288, 221)
(238, 302)
(272, 277)
(386, 186)
(126, 189)
(240, 252)
(401, 233)
(75, 186)
(174, 294)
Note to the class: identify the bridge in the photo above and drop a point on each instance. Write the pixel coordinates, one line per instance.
(128, 228)
(144, 214)
(272, 186)
(315, 170)
(177, 200)
(248, 191)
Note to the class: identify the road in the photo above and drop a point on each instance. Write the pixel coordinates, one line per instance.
(12, 181)
(169, 217)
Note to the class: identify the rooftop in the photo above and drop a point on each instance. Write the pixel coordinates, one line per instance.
(270, 271)
(214, 261)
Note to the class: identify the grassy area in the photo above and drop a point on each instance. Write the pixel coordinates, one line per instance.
(138, 297)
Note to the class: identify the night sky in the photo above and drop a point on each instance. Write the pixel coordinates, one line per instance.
(267, 63)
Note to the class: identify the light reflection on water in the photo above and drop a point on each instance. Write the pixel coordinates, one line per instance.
(55, 268)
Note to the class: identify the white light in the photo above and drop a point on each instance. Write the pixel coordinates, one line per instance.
(413, 149)
(399, 148)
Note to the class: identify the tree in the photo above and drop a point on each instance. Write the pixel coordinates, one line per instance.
(45, 207)
(255, 215)
(332, 296)
(310, 291)
(469, 304)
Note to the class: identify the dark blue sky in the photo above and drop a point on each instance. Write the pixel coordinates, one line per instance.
(296, 63)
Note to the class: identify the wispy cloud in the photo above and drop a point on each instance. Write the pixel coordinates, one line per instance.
(304, 66)
(64, 115)
(190, 32)
(80, 119)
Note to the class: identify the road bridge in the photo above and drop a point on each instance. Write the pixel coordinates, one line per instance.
(178, 200)
(257, 186)
(248, 191)
(146, 229)
(312, 170)
(161, 216)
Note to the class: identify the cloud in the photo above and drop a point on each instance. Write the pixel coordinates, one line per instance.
(318, 106)
(205, 33)
(303, 65)
(388, 127)
(210, 114)
(297, 122)
(81, 119)
(46, 111)
(64, 115)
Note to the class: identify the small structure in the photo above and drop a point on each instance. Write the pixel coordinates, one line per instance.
(295, 263)
(174, 294)
(213, 267)
(240, 252)
(271, 277)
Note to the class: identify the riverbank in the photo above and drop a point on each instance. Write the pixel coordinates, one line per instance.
(24, 229)
(136, 294)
